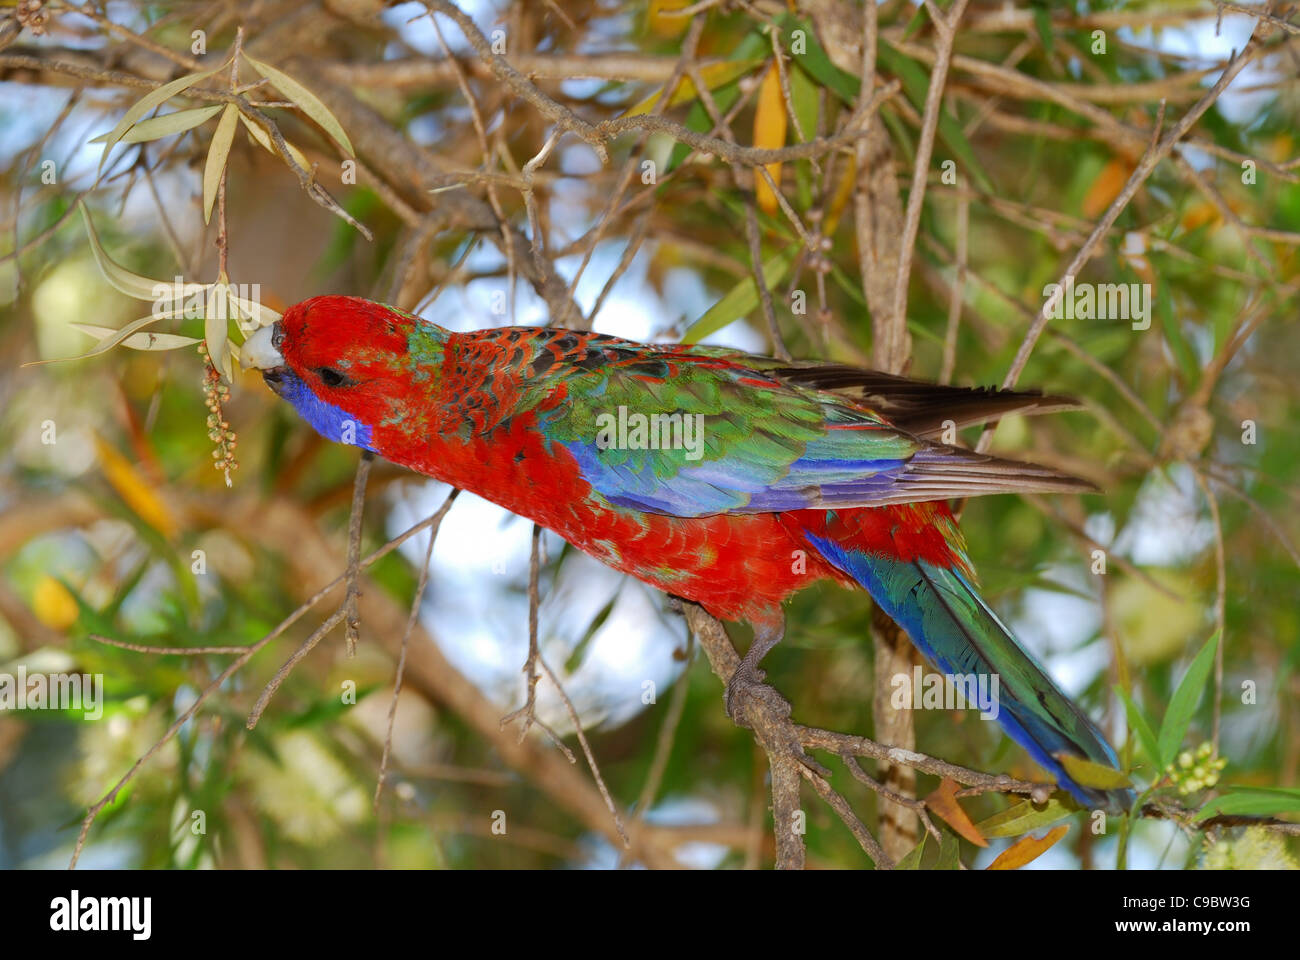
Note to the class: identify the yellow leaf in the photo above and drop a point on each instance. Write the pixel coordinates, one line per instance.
(1091, 774)
(264, 139)
(1280, 149)
(1028, 849)
(1023, 816)
(1103, 191)
(134, 489)
(667, 26)
(1199, 214)
(944, 803)
(769, 134)
(843, 193)
(53, 605)
(714, 75)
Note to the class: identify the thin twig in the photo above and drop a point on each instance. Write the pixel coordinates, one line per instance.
(586, 751)
(528, 712)
(663, 750)
(752, 236)
(947, 31)
(1150, 159)
(746, 156)
(306, 647)
(563, 118)
(400, 672)
(352, 624)
(689, 46)
(169, 651)
(850, 819)
(917, 806)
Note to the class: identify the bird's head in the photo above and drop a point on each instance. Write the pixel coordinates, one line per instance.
(346, 364)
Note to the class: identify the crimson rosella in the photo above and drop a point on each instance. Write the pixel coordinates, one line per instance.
(727, 479)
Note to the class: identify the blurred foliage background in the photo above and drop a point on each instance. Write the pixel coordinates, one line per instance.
(1190, 429)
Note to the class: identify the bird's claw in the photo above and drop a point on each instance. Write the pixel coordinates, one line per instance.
(746, 689)
(746, 686)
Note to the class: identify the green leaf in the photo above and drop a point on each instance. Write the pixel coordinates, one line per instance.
(151, 100)
(1023, 816)
(1043, 21)
(1252, 802)
(1280, 791)
(916, 81)
(852, 289)
(817, 63)
(1140, 725)
(304, 98)
(140, 341)
(264, 139)
(803, 97)
(1174, 335)
(739, 300)
(912, 859)
(1090, 774)
(915, 23)
(949, 853)
(155, 128)
(1183, 703)
(218, 153)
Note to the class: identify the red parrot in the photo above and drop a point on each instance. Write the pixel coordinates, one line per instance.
(727, 479)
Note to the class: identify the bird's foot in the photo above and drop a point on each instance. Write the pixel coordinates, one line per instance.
(746, 690)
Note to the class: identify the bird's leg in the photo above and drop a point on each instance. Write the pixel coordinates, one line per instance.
(747, 681)
(675, 605)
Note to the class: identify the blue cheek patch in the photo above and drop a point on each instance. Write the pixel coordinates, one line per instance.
(328, 420)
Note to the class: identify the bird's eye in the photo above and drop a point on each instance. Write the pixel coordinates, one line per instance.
(331, 377)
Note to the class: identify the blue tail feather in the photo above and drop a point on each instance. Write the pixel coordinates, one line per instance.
(959, 634)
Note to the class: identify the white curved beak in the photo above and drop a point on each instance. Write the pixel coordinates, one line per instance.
(259, 350)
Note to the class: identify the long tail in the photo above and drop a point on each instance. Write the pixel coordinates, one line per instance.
(959, 634)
